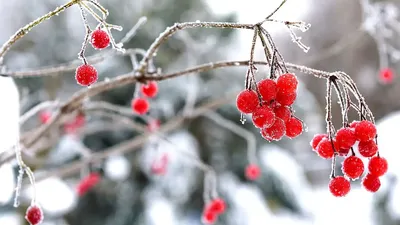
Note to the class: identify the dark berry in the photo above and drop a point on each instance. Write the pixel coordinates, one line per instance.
(34, 215)
(287, 83)
(252, 172)
(282, 112)
(339, 186)
(377, 166)
(140, 106)
(100, 39)
(85, 75)
(325, 149)
(267, 89)
(316, 139)
(150, 89)
(345, 138)
(247, 101)
(371, 183)
(365, 130)
(276, 131)
(286, 99)
(367, 148)
(294, 127)
(263, 116)
(353, 167)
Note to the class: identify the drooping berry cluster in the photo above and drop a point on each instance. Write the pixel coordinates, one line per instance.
(361, 134)
(34, 215)
(212, 210)
(141, 105)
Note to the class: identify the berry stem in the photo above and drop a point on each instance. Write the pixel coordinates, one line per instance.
(81, 54)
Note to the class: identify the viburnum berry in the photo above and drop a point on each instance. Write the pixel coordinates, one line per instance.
(317, 139)
(286, 98)
(263, 116)
(377, 166)
(100, 39)
(252, 172)
(44, 116)
(247, 101)
(267, 89)
(282, 112)
(150, 89)
(294, 127)
(217, 206)
(371, 183)
(353, 167)
(325, 149)
(365, 130)
(209, 217)
(140, 106)
(367, 148)
(276, 131)
(88, 183)
(386, 75)
(339, 186)
(287, 83)
(34, 215)
(85, 75)
(345, 138)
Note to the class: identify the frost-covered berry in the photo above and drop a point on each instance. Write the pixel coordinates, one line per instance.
(263, 116)
(276, 131)
(294, 127)
(267, 89)
(85, 75)
(345, 138)
(286, 98)
(353, 167)
(377, 166)
(217, 206)
(371, 183)
(100, 39)
(325, 149)
(386, 75)
(287, 83)
(252, 172)
(316, 139)
(365, 130)
(339, 186)
(140, 106)
(247, 101)
(34, 215)
(367, 148)
(150, 89)
(282, 112)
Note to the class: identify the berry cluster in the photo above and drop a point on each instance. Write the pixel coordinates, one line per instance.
(141, 105)
(86, 75)
(34, 215)
(361, 134)
(212, 210)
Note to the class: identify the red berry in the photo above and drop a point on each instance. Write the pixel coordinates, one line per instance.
(71, 127)
(353, 167)
(345, 138)
(282, 112)
(367, 148)
(263, 116)
(371, 183)
(209, 217)
(377, 166)
(88, 183)
(286, 98)
(140, 106)
(294, 127)
(276, 131)
(150, 89)
(267, 89)
(159, 166)
(34, 215)
(217, 206)
(153, 125)
(316, 139)
(247, 101)
(85, 75)
(386, 75)
(365, 130)
(252, 172)
(354, 124)
(339, 186)
(44, 116)
(325, 149)
(100, 39)
(287, 83)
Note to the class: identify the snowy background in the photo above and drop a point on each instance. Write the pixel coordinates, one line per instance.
(293, 187)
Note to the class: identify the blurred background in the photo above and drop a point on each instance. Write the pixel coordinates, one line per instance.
(357, 37)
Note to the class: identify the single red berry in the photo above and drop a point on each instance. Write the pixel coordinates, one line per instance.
(317, 139)
(386, 75)
(87, 183)
(252, 172)
(100, 39)
(365, 130)
(150, 89)
(282, 112)
(44, 116)
(354, 124)
(209, 217)
(286, 98)
(247, 101)
(294, 127)
(265, 135)
(140, 106)
(159, 166)
(367, 148)
(339, 186)
(377, 166)
(267, 89)
(34, 215)
(263, 116)
(371, 183)
(276, 131)
(287, 83)
(85, 75)
(325, 149)
(217, 206)
(353, 167)
(345, 138)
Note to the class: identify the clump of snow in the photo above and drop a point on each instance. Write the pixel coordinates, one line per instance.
(117, 168)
